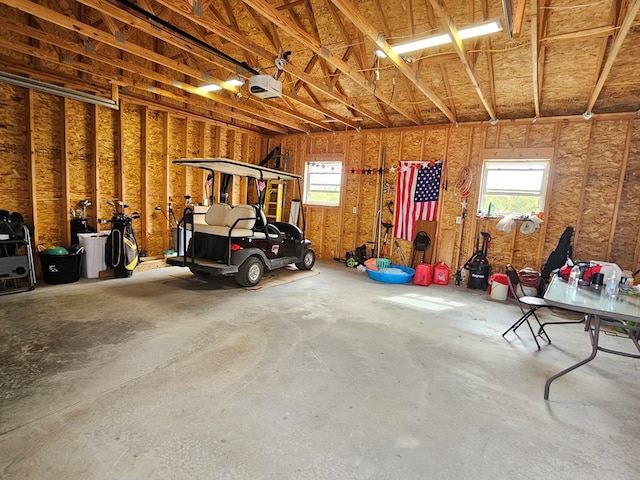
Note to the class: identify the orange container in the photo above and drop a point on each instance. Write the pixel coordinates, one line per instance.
(441, 274)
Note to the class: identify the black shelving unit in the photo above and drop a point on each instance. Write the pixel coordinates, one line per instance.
(17, 273)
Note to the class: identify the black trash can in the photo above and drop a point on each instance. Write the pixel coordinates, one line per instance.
(479, 275)
(57, 269)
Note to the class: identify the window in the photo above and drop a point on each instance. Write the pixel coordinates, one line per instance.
(322, 183)
(513, 186)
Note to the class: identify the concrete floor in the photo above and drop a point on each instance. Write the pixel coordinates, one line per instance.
(329, 376)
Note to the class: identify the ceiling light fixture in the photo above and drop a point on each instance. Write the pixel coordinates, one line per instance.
(587, 115)
(484, 28)
(493, 121)
(210, 87)
(235, 81)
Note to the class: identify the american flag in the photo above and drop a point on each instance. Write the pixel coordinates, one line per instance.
(416, 196)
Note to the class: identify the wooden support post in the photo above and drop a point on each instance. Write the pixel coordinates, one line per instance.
(64, 159)
(144, 158)
(31, 152)
(120, 180)
(95, 182)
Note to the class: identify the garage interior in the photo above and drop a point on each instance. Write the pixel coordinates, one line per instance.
(326, 373)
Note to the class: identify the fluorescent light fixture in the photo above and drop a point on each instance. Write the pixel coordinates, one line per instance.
(484, 28)
(211, 87)
(235, 81)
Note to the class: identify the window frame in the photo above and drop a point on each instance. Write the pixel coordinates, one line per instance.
(330, 162)
(541, 193)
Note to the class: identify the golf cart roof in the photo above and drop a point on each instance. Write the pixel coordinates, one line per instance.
(234, 167)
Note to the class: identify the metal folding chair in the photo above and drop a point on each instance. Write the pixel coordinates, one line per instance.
(533, 304)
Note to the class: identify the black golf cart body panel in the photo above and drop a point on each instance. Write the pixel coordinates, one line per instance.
(220, 249)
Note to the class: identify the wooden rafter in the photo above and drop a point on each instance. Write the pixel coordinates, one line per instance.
(234, 24)
(274, 16)
(183, 7)
(616, 46)
(535, 60)
(268, 31)
(134, 67)
(518, 18)
(489, 57)
(449, 26)
(349, 10)
(307, 69)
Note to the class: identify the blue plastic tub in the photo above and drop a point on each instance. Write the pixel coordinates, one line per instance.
(405, 276)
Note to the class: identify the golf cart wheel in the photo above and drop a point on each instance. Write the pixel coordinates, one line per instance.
(250, 272)
(308, 260)
(199, 273)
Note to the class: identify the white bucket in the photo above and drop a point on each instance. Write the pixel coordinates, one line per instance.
(499, 291)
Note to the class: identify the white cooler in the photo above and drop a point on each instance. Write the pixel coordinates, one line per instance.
(93, 259)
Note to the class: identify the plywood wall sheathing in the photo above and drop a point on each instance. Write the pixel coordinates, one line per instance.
(595, 169)
(15, 193)
(596, 161)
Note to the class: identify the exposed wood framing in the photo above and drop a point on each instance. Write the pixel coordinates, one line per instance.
(266, 10)
(613, 51)
(447, 22)
(349, 10)
(184, 8)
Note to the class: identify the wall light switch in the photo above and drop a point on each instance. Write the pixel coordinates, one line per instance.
(355, 210)
(458, 220)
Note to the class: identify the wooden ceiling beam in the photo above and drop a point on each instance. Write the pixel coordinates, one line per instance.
(447, 87)
(145, 27)
(274, 16)
(268, 31)
(101, 36)
(382, 18)
(535, 59)
(346, 35)
(57, 77)
(518, 18)
(135, 68)
(234, 24)
(449, 26)
(489, 54)
(349, 10)
(307, 69)
(616, 46)
(591, 32)
(184, 8)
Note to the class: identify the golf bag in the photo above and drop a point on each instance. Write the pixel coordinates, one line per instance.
(121, 251)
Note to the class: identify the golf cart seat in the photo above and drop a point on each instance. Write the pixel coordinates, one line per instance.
(224, 220)
(289, 230)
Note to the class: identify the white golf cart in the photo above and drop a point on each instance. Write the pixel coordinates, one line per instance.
(238, 240)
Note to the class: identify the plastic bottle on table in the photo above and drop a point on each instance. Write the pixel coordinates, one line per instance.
(574, 276)
(611, 288)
